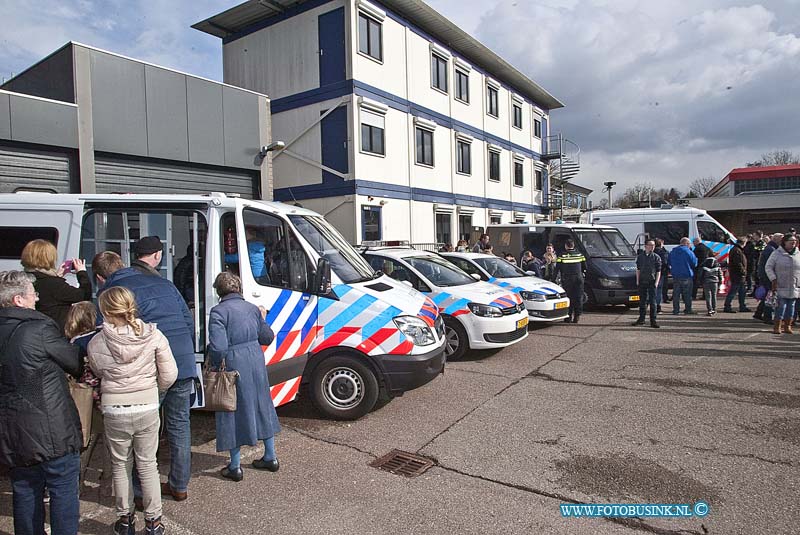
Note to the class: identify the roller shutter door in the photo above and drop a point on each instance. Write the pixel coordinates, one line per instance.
(29, 169)
(133, 176)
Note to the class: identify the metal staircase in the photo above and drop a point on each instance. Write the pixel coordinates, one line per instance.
(564, 157)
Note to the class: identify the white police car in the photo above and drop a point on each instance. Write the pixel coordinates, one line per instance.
(545, 301)
(477, 315)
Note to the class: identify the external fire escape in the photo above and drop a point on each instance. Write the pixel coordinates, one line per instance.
(564, 158)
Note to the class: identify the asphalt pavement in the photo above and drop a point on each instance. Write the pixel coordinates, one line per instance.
(703, 409)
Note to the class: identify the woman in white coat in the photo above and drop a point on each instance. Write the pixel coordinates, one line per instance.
(783, 271)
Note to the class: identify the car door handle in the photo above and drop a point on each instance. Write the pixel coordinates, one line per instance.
(256, 294)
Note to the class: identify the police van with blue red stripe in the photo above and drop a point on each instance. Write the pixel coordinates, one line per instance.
(344, 334)
(477, 314)
(544, 300)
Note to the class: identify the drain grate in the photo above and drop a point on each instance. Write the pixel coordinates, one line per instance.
(402, 463)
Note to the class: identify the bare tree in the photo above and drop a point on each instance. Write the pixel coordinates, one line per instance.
(701, 186)
(776, 157)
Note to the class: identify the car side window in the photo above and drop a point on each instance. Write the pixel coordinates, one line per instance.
(467, 266)
(397, 271)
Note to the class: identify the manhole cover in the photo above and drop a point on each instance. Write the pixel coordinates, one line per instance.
(402, 463)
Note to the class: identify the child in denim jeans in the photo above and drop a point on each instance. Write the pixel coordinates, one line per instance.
(711, 276)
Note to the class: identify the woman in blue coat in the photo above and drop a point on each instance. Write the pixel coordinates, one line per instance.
(236, 332)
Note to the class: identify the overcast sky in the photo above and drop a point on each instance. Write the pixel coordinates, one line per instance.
(659, 92)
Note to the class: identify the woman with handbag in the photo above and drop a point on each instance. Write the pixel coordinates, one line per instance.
(40, 430)
(134, 363)
(237, 331)
(783, 271)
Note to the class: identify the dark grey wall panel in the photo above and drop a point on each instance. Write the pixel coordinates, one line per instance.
(50, 78)
(133, 176)
(118, 104)
(30, 169)
(165, 93)
(242, 138)
(44, 122)
(5, 117)
(206, 139)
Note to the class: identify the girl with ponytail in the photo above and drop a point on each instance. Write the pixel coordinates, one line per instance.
(134, 363)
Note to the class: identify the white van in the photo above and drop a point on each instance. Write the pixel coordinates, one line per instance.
(670, 223)
(477, 315)
(342, 332)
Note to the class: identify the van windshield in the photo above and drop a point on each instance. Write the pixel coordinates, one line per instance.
(439, 271)
(497, 267)
(345, 261)
(604, 243)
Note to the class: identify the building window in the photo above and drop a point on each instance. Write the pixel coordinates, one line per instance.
(370, 38)
(493, 104)
(424, 146)
(519, 174)
(371, 223)
(443, 230)
(537, 128)
(462, 86)
(463, 157)
(517, 116)
(438, 72)
(494, 165)
(372, 133)
(495, 220)
(538, 175)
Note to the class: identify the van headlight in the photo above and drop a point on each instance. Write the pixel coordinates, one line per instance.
(415, 329)
(532, 296)
(485, 311)
(610, 283)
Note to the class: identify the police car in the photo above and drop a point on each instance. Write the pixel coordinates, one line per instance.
(477, 314)
(545, 301)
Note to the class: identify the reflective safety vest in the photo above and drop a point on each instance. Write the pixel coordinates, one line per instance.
(571, 264)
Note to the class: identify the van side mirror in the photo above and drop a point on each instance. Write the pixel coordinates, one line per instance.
(321, 282)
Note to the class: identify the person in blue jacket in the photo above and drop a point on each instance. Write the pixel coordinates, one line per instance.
(256, 254)
(682, 263)
(160, 302)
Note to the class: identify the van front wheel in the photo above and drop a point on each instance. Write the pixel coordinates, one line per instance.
(343, 388)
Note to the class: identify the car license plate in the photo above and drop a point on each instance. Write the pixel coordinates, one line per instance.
(522, 323)
(562, 304)
(633, 298)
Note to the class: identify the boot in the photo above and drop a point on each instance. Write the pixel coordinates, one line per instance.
(776, 329)
(787, 327)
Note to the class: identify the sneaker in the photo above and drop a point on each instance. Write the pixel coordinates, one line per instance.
(658, 309)
(154, 527)
(655, 325)
(689, 313)
(709, 313)
(637, 323)
(729, 311)
(125, 525)
(713, 312)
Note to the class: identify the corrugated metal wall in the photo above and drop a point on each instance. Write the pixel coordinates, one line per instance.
(131, 176)
(29, 169)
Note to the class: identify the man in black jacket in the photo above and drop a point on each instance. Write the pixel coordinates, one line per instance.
(701, 251)
(737, 271)
(40, 431)
(648, 275)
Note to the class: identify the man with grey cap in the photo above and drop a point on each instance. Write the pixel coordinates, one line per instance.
(160, 302)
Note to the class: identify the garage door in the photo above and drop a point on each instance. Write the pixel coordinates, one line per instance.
(133, 176)
(34, 170)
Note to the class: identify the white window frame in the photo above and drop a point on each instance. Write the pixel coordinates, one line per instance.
(465, 140)
(436, 54)
(514, 161)
(429, 127)
(494, 149)
(376, 15)
(456, 86)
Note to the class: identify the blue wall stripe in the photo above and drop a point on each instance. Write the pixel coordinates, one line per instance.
(348, 314)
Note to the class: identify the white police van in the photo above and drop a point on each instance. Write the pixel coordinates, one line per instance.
(477, 315)
(342, 332)
(670, 223)
(544, 300)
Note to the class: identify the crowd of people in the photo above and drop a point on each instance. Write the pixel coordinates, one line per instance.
(135, 348)
(767, 269)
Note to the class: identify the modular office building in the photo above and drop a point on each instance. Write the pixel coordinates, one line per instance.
(397, 123)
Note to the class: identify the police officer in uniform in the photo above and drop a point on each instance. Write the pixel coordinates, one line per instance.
(571, 266)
